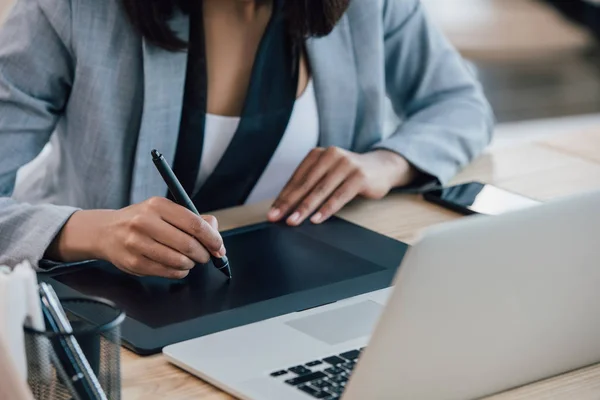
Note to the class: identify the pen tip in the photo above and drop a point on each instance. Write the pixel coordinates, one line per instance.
(227, 270)
(155, 153)
(222, 264)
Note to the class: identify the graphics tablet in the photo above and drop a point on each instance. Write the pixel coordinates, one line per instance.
(276, 270)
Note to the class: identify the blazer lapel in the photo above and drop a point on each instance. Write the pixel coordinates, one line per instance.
(164, 79)
(334, 75)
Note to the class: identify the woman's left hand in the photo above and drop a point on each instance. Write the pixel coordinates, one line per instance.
(329, 178)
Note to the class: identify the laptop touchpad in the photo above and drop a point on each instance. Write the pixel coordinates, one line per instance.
(342, 324)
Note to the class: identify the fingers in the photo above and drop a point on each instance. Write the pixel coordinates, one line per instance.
(148, 257)
(158, 252)
(160, 238)
(142, 266)
(284, 202)
(316, 165)
(342, 196)
(326, 180)
(175, 239)
(212, 221)
(304, 168)
(321, 191)
(190, 223)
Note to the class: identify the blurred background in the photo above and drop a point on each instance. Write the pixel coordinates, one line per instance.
(538, 60)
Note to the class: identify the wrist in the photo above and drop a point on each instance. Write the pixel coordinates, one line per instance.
(80, 237)
(398, 171)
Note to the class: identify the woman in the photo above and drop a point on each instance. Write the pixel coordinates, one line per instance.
(268, 91)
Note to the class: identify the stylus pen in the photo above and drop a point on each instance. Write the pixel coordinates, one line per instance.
(182, 198)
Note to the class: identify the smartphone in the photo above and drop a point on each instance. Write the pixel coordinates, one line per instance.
(478, 198)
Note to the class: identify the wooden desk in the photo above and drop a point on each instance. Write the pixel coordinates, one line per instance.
(542, 170)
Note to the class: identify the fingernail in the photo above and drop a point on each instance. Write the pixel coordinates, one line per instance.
(274, 213)
(316, 218)
(222, 251)
(294, 218)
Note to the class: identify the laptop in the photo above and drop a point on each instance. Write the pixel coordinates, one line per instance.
(481, 305)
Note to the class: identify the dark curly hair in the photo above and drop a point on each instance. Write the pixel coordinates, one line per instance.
(305, 18)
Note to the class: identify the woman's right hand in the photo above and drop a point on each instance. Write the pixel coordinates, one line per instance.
(153, 238)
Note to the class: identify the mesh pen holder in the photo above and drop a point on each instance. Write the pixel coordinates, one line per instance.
(100, 341)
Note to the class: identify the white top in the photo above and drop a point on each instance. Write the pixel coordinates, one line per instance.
(300, 137)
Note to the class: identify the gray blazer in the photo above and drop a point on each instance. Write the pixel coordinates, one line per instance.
(75, 72)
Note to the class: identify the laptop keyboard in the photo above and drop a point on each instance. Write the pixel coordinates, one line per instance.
(321, 379)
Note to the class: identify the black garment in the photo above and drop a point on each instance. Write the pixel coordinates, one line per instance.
(265, 115)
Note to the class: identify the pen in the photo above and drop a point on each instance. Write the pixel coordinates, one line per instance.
(182, 198)
(82, 376)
